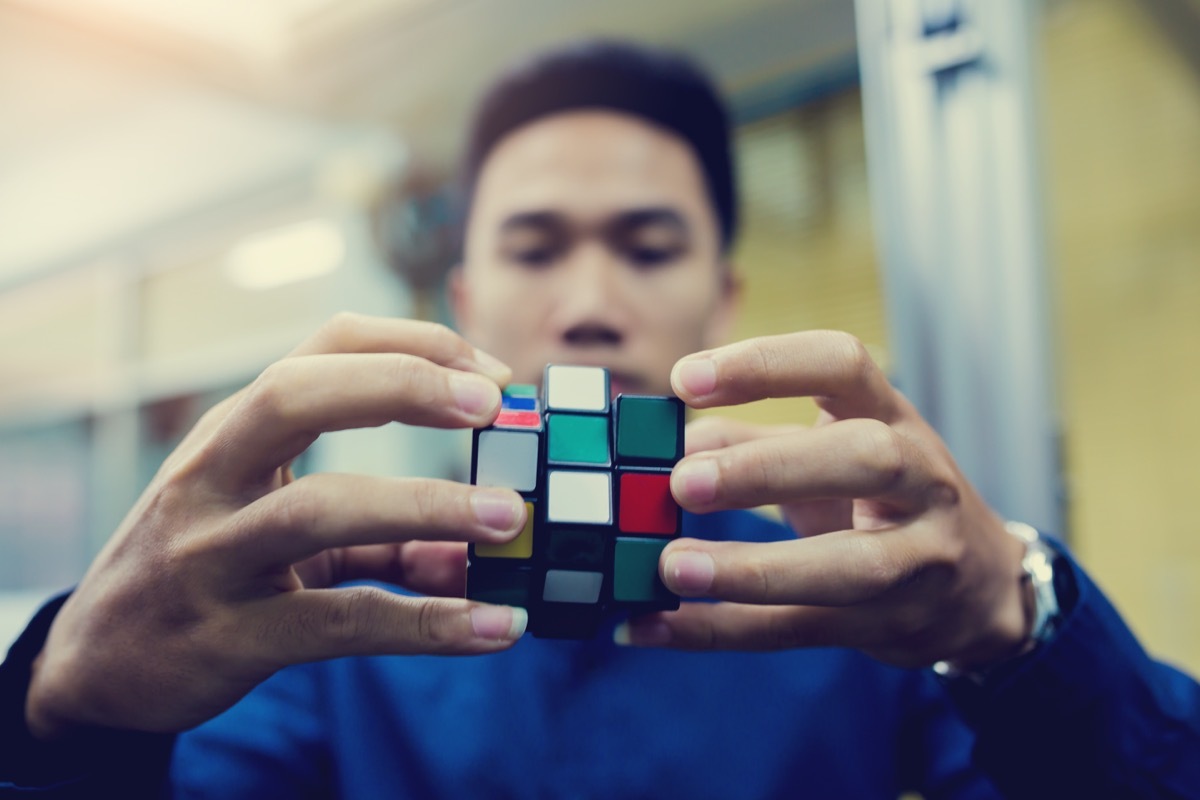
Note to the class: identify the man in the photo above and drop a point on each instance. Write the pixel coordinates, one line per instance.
(601, 218)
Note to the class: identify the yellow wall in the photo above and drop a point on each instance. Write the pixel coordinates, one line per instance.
(1121, 131)
(1122, 122)
(806, 255)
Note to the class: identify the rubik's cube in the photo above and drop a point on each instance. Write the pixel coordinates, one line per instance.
(595, 476)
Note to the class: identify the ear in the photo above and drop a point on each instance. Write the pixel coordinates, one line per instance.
(720, 323)
(456, 287)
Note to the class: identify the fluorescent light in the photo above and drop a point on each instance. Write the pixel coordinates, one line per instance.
(259, 29)
(285, 255)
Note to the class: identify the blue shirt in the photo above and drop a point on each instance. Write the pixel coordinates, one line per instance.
(593, 720)
(1086, 715)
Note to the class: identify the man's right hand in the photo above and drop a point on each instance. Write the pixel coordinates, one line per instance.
(222, 572)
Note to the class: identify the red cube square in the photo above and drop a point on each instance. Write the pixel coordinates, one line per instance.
(647, 505)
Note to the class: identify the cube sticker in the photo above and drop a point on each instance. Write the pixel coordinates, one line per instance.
(649, 430)
(577, 547)
(647, 505)
(579, 497)
(520, 547)
(635, 571)
(567, 586)
(579, 439)
(576, 389)
(507, 459)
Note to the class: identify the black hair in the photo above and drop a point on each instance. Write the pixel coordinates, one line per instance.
(661, 87)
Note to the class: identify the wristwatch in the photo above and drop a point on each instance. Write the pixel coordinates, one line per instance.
(1053, 595)
(1038, 564)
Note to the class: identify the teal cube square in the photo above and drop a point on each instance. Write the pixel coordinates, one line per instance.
(649, 428)
(635, 571)
(578, 439)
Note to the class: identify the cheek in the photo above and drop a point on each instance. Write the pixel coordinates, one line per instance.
(508, 314)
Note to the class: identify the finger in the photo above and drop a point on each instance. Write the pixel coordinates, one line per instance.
(356, 333)
(732, 626)
(856, 458)
(815, 517)
(842, 568)
(714, 433)
(296, 399)
(323, 511)
(831, 366)
(316, 624)
(432, 568)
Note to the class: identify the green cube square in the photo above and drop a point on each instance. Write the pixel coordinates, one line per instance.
(648, 428)
(578, 439)
(635, 571)
(521, 390)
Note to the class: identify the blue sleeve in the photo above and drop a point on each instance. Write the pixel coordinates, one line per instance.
(92, 763)
(1088, 714)
(269, 745)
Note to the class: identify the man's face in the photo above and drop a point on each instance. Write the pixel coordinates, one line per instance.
(592, 241)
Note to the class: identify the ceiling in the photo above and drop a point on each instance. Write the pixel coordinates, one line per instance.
(120, 116)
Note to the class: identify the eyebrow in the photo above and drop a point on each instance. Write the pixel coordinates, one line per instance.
(620, 222)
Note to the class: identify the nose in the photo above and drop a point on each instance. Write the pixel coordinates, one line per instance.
(592, 309)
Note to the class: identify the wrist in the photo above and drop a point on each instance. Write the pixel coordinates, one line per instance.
(42, 723)
(1029, 614)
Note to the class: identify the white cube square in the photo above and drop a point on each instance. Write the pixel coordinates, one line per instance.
(568, 586)
(577, 388)
(577, 496)
(507, 459)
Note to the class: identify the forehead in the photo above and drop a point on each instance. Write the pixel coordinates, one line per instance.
(587, 164)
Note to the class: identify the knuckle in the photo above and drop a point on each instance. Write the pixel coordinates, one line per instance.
(853, 356)
(756, 577)
(341, 328)
(944, 492)
(885, 450)
(880, 567)
(774, 467)
(412, 376)
(442, 331)
(426, 500)
(266, 397)
(446, 342)
(347, 621)
(760, 362)
(296, 508)
(429, 624)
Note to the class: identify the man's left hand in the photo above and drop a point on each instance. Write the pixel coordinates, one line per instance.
(897, 554)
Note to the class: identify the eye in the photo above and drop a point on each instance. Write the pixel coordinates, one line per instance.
(534, 257)
(647, 256)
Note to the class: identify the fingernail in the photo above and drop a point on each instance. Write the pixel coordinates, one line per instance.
(654, 634)
(696, 481)
(497, 623)
(498, 510)
(696, 376)
(492, 365)
(690, 572)
(474, 395)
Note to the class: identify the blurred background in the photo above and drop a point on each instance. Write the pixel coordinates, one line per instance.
(189, 188)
